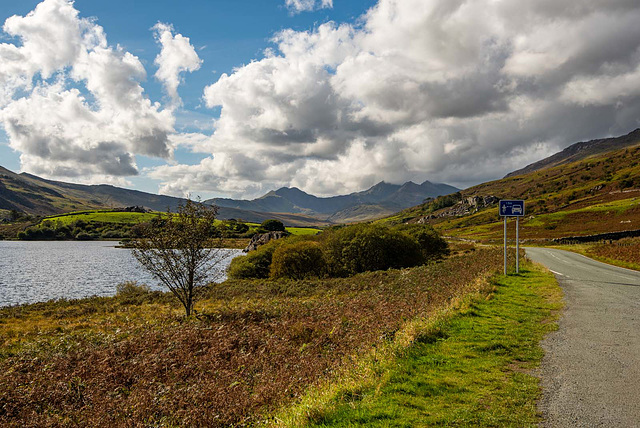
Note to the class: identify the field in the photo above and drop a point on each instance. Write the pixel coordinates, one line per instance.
(256, 346)
(134, 218)
(101, 216)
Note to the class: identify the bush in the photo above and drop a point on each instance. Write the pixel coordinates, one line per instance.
(298, 260)
(433, 246)
(132, 293)
(83, 236)
(341, 251)
(377, 248)
(131, 288)
(111, 234)
(256, 264)
(272, 225)
(364, 247)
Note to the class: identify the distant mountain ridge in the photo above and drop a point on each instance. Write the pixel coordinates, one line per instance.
(582, 150)
(379, 200)
(35, 195)
(38, 196)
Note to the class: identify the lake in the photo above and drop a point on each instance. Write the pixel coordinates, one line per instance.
(37, 271)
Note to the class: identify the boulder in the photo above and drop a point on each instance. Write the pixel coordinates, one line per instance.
(262, 238)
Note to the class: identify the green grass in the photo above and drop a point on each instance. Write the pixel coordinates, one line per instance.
(133, 218)
(102, 216)
(303, 230)
(470, 369)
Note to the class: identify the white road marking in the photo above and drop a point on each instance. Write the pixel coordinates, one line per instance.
(557, 273)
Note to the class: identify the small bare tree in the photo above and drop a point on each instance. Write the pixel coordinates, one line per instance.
(181, 250)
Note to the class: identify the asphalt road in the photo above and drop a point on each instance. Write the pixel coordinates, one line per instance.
(591, 371)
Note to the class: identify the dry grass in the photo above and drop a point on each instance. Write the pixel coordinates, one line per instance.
(625, 250)
(257, 345)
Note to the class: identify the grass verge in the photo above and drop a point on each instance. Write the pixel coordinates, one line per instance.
(468, 365)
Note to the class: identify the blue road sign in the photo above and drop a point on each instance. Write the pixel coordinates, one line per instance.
(511, 208)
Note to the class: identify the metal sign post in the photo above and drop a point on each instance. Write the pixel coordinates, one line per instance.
(505, 245)
(512, 208)
(517, 245)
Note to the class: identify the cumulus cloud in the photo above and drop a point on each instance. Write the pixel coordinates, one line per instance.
(459, 91)
(177, 56)
(71, 103)
(297, 6)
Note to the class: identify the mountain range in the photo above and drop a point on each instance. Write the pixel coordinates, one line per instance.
(588, 192)
(380, 200)
(35, 195)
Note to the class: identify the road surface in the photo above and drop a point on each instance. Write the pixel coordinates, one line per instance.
(591, 370)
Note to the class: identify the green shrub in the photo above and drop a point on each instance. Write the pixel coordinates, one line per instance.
(364, 247)
(256, 264)
(433, 246)
(342, 251)
(272, 225)
(111, 234)
(298, 260)
(131, 288)
(83, 236)
(132, 293)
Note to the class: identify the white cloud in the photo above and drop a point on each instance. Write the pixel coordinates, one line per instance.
(177, 56)
(297, 6)
(458, 91)
(73, 105)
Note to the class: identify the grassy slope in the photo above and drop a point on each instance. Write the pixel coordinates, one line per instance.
(102, 216)
(132, 218)
(596, 195)
(470, 368)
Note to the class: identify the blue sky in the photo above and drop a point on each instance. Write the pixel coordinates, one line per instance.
(226, 34)
(236, 98)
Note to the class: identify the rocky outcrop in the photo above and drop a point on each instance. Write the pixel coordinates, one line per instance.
(262, 238)
(466, 206)
(132, 209)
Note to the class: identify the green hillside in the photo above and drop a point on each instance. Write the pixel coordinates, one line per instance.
(599, 194)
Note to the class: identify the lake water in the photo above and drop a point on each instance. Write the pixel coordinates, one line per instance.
(38, 271)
